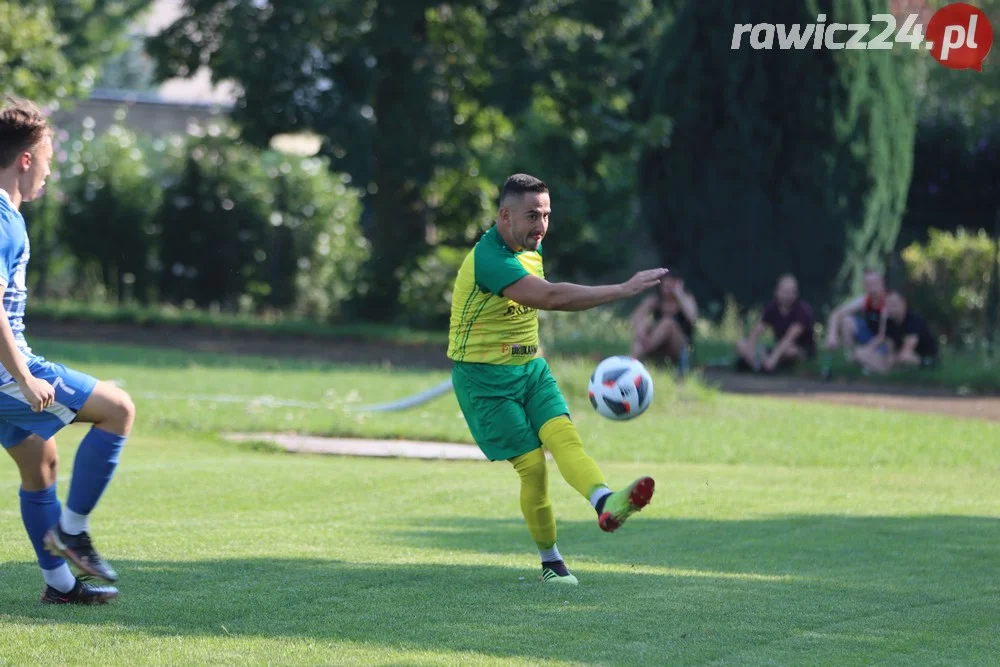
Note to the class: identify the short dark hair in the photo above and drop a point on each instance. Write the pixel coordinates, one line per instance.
(22, 127)
(518, 184)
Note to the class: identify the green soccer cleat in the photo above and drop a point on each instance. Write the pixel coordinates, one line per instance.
(622, 504)
(550, 576)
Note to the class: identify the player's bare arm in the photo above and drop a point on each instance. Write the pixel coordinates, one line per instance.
(908, 351)
(758, 330)
(879, 338)
(786, 343)
(37, 392)
(539, 293)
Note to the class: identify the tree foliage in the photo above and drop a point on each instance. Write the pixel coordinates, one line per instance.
(967, 96)
(51, 50)
(780, 160)
(112, 194)
(954, 183)
(415, 101)
(948, 281)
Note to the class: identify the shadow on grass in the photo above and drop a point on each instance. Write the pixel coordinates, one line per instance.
(813, 546)
(847, 588)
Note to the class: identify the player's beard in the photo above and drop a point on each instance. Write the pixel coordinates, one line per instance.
(530, 242)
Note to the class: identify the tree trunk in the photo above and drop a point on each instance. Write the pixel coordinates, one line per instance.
(403, 126)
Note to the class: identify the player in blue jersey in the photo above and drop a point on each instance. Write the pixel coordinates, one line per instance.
(38, 397)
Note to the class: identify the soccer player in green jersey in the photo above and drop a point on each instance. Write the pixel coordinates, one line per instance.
(507, 393)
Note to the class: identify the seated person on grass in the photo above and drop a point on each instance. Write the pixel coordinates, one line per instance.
(791, 321)
(858, 321)
(911, 343)
(664, 324)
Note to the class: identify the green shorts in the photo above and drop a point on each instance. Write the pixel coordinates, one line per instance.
(506, 406)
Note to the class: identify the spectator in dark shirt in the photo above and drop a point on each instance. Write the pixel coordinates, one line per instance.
(791, 321)
(911, 342)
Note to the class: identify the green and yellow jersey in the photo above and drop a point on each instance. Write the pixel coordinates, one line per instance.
(487, 328)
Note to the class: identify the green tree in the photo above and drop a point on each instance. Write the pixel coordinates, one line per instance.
(53, 49)
(780, 160)
(968, 96)
(34, 66)
(585, 63)
(362, 74)
(415, 98)
(957, 149)
(954, 178)
(112, 195)
(216, 198)
(132, 69)
(241, 228)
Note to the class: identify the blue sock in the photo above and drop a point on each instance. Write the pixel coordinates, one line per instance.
(40, 511)
(93, 468)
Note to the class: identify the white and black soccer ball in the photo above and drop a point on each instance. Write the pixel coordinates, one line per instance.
(620, 388)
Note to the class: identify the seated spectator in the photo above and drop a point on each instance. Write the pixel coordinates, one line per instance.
(858, 321)
(663, 324)
(911, 343)
(791, 321)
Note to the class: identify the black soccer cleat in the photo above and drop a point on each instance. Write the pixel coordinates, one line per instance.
(80, 552)
(81, 594)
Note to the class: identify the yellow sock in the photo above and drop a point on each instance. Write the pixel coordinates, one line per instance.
(535, 504)
(559, 436)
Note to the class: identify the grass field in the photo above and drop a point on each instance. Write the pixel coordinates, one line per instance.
(781, 533)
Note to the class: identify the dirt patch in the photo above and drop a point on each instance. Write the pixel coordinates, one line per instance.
(408, 449)
(430, 356)
(970, 408)
(885, 397)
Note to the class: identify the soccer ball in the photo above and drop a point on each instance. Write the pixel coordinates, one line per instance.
(620, 388)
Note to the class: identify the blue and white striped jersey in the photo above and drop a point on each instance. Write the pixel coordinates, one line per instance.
(14, 255)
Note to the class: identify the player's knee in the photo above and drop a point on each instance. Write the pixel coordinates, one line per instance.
(121, 411)
(531, 467)
(41, 471)
(50, 469)
(671, 328)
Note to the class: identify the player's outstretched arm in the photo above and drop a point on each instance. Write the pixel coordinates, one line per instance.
(539, 293)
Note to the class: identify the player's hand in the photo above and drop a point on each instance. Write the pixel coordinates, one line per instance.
(39, 393)
(643, 280)
(831, 341)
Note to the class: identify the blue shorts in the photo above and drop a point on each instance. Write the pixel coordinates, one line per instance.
(18, 421)
(863, 335)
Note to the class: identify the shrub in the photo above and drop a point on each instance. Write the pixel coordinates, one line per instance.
(111, 197)
(316, 232)
(425, 292)
(948, 281)
(245, 229)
